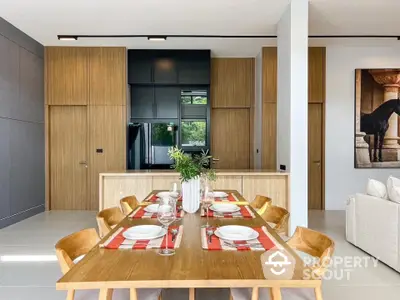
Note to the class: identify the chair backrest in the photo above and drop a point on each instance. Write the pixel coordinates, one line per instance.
(260, 204)
(277, 215)
(108, 218)
(315, 244)
(75, 245)
(128, 204)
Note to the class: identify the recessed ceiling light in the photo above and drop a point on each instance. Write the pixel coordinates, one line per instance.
(67, 37)
(157, 38)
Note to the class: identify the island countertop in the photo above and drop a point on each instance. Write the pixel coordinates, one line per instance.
(115, 185)
(167, 172)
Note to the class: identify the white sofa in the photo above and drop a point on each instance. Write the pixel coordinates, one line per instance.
(373, 225)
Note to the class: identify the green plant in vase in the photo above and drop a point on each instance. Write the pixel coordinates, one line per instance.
(191, 168)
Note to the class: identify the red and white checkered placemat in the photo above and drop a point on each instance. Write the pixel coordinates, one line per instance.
(140, 213)
(117, 241)
(230, 198)
(244, 212)
(264, 242)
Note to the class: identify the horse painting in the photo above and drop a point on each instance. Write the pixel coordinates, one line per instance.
(377, 123)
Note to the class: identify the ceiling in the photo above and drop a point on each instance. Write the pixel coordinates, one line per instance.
(45, 19)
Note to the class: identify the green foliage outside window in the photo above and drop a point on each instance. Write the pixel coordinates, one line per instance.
(193, 133)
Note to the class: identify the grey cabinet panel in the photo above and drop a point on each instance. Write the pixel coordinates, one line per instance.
(194, 71)
(27, 165)
(9, 76)
(4, 168)
(29, 107)
(142, 102)
(167, 102)
(165, 70)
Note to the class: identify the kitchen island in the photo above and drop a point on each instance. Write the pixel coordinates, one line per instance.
(116, 185)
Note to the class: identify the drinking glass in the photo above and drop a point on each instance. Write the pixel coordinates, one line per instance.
(166, 215)
(174, 192)
(207, 199)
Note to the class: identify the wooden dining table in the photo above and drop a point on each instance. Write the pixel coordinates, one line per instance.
(191, 266)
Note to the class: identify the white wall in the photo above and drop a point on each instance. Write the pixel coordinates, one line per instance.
(341, 178)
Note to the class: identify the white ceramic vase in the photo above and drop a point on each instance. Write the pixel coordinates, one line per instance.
(191, 195)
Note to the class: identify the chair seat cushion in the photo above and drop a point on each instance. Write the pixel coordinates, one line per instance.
(78, 259)
(308, 259)
(272, 225)
(264, 294)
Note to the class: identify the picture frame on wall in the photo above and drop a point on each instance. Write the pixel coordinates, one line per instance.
(377, 114)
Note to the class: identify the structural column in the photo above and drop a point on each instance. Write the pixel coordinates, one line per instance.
(390, 80)
(292, 107)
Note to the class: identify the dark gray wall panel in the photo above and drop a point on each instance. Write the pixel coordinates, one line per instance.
(21, 216)
(4, 168)
(27, 161)
(9, 76)
(21, 125)
(20, 38)
(29, 107)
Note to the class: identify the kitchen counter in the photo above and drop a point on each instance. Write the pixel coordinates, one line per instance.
(116, 185)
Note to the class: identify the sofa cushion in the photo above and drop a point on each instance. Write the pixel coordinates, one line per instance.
(393, 187)
(377, 189)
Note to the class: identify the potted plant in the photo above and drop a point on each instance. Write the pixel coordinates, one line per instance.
(191, 169)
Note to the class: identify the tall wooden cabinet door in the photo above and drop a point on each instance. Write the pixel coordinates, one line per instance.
(107, 145)
(232, 82)
(67, 75)
(230, 138)
(107, 69)
(315, 140)
(68, 158)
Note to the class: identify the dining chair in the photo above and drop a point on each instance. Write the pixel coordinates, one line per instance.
(107, 219)
(72, 249)
(260, 203)
(311, 246)
(277, 218)
(128, 204)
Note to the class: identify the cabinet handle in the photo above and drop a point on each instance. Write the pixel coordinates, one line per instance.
(83, 163)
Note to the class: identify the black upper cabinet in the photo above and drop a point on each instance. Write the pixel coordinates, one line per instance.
(165, 70)
(194, 67)
(166, 67)
(140, 67)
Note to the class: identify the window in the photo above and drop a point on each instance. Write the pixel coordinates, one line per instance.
(194, 97)
(193, 133)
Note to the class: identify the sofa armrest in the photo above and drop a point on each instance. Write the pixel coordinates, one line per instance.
(351, 220)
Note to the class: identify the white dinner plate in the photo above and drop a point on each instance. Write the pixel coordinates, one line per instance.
(219, 194)
(152, 208)
(167, 194)
(144, 232)
(236, 233)
(224, 208)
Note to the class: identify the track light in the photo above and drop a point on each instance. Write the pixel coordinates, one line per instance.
(157, 38)
(67, 37)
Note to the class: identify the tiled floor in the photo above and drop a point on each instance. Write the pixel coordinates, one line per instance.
(37, 235)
